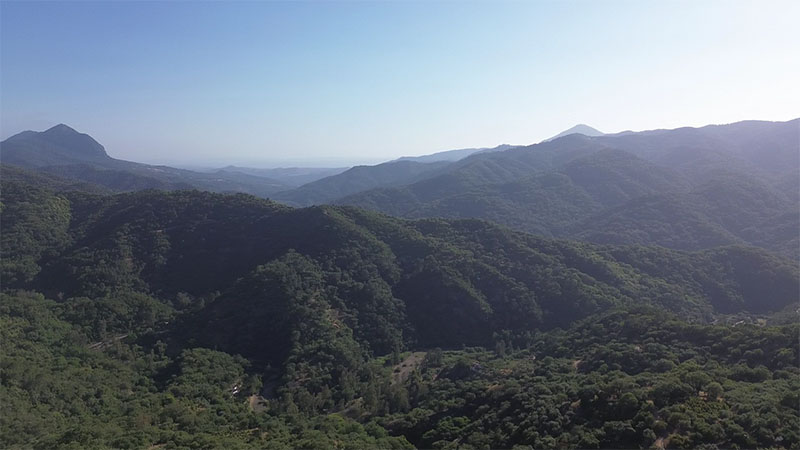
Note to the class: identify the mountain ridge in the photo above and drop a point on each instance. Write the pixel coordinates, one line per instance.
(478, 186)
(570, 187)
(63, 151)
(454, 155)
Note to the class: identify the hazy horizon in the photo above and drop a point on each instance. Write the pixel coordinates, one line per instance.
(337, 84)
(217, 162)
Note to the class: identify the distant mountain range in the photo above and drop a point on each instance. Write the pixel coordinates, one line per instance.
(290, 176)
(688, 188)
(358, 179)
(402, 171)
(65, 152)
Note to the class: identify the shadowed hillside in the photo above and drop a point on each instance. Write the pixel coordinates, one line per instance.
(231, 321)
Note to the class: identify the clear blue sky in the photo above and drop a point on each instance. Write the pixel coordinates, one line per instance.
(274, 83)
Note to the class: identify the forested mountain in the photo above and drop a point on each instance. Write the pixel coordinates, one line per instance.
(67, 153)
(9, 174)
(289, 176)
(191, 319)
(759, 147)
(393, 173)
(686, 188)
(357, 179)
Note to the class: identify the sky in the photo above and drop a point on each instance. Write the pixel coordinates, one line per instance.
(339, 83)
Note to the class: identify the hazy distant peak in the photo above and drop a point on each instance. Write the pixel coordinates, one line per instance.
(580, 128)
(75, 141)
(61, 128)
(57, 145)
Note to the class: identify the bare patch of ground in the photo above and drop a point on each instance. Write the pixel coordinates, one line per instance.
(257, 403)
(106, 343)
(402, 371)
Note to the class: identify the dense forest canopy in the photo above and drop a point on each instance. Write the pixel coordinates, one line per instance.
(189, 319)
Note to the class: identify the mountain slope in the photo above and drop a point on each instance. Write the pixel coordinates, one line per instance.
(193, 319)
(290, 176)
(357, 179)
(725, 210)
(454, 155)
(758, 147)
(544, 203)
(64, 152)
(686, 188)
(199, 243)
